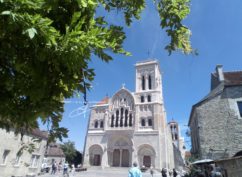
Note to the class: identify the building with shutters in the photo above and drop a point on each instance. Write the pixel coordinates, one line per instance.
(131, 126)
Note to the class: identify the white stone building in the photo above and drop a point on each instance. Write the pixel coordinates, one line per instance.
(131, 126)
(177, 139)
(16, 164)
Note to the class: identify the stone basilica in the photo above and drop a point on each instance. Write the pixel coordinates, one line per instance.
(131, 126)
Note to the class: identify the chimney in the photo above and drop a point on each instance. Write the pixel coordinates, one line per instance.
(219, 71)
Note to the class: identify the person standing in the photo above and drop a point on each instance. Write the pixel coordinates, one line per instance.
(73, 169)
(53, 167)
(65, 169)
(135, 171)
(151, 171)
(174, 172)
(163, 172)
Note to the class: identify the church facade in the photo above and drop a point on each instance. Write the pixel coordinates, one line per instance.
(131, 126)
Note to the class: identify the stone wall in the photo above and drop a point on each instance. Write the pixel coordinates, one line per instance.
(219, 125)
(230, 167)
(25, 165)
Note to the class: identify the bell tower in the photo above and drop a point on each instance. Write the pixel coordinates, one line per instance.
(148, 82)
(150, 111)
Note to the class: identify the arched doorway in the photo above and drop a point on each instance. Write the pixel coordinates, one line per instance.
(147, 161)
(119, 151)
(95, 155)
(146, 155)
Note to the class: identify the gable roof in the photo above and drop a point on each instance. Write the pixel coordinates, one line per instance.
(38, 133)
(233, 78)
(103, 101)
(54, 150)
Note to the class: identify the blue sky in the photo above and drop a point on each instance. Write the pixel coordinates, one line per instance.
(216, 27)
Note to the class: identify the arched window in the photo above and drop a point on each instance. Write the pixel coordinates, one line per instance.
(112, 121)
(143, 82)
(96, 124)
(176, 137)
(143, 122)
(117, 118)
(101, 124)
(150, 84)
(174, 127)
(149, 98)
(150, 122)
(121, 118)
(142, 99)
(130, 120)
(126, 118)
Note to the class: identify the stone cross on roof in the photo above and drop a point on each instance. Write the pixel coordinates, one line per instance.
(123, 85)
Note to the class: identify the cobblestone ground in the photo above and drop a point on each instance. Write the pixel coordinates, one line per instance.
(103, 173)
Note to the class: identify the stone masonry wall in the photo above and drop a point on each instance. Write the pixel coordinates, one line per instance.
(220, 127)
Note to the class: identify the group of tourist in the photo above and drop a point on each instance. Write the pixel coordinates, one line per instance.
(171, 173)
(135, 172)
(207, 170)
(64, 167)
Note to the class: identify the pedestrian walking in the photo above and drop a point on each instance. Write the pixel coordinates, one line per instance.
(73, 169)
(53, 168)
(65, 169)
(151, 171)
(163, 172)
(174, 172)
(170, 172)
(135, 171)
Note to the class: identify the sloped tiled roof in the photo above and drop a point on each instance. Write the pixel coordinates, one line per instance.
(103, 101)
(38, 133)
(233, 78)
(54, 150)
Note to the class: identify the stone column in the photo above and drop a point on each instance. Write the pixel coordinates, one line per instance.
(104, 158)
(120, 160)
(134, 156)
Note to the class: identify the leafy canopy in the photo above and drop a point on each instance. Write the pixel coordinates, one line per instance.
(69, 151)
(46, 45)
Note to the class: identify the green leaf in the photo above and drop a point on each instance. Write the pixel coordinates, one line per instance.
(6, 12)
(31, 32)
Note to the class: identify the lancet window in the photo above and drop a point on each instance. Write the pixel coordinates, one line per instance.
(149, 82)
(101, 124)
(143, 82)
(122, 118)
(117, 118)
(126, 118)
(122, 110)
(112, 121)
(96, 124)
